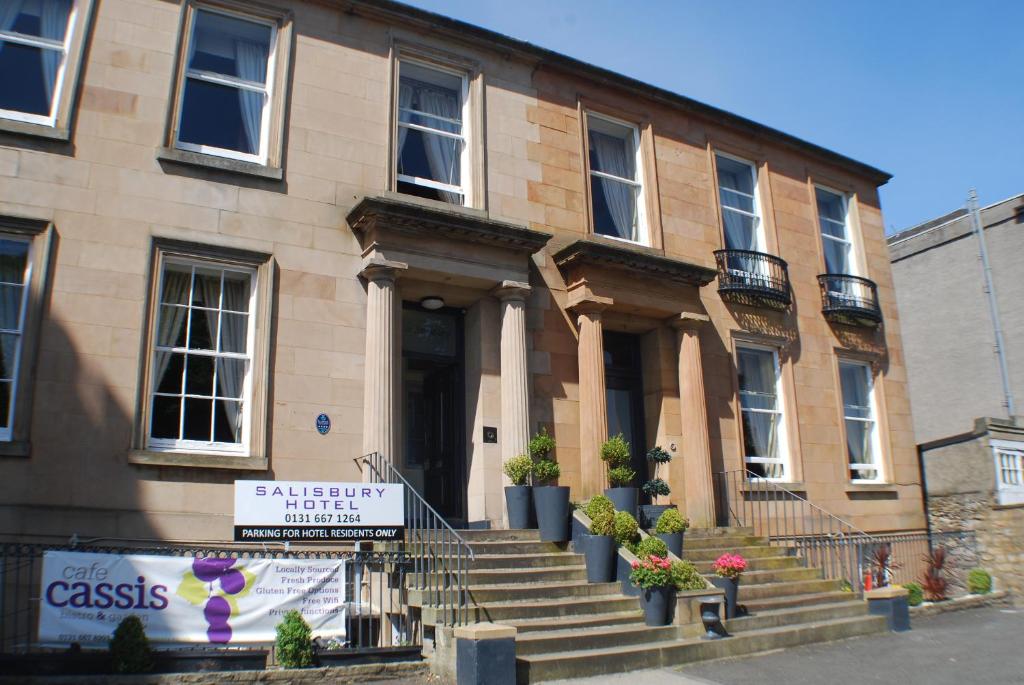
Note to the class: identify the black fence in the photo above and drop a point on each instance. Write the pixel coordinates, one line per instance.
(849, 299)
(379, 618)
(753, 278)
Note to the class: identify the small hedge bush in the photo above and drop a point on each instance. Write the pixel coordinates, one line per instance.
(685, 576)
(650, 546)
(626, 529)
(518, 469)
(621, 476)
(603, 523)
(656, 487)
(541, 445)
(915, 594)
(129, 647)
(597, 505)
(979, 582)
(294, 647)
(615, 452)
(671, 521)
(546, 472)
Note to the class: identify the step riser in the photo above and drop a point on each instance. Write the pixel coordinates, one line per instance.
(516, 547)
(593, 640)
(755, 606)
(787, 575)
(528, 593)
(789, 618)
(508, 577)
(672, 655)
(499, 535)
(526, 561)
(723, 543)
(582, 622)
(755, 564)
(759, 552)
(772, 590)
(525, 610)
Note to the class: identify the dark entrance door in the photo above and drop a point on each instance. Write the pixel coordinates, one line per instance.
(623, 377)
(432, 362)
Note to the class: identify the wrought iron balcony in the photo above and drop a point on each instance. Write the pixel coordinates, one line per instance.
(850, 300)
(753, 278)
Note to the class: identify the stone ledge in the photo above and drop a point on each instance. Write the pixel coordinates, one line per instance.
(16, 448)
(632, 258)
(202, 461)
(485, 631)
(225, 164)
(999, 598)
(889, 592)
(24, 128)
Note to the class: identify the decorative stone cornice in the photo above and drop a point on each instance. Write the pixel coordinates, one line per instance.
(688, 321)
(511, 290)
(634, 259)
(379, 269)
(414, 217)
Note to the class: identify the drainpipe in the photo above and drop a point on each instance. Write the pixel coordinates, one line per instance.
(993, 307)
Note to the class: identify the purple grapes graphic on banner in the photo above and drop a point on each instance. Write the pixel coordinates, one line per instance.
(218, 609)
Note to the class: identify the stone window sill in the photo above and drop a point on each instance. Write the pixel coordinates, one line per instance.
(15, 448)
(233, 166)
(870, 487)
(195, 460)
(772, 485)
(25, 128)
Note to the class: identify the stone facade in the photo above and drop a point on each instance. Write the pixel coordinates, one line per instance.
(342, 267)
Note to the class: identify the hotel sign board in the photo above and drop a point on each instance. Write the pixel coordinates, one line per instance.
(303, 511)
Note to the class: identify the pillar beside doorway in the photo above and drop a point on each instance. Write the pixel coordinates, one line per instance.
(515, 374)
(593, 400)
(380, 415)
(696, 450)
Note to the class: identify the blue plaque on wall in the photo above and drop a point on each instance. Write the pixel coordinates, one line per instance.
(323, 424)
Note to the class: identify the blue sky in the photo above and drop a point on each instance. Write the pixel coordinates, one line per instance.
(930, 91)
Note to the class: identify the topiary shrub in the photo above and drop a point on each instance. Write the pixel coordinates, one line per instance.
(129, 647)
(603, 523)
(671, 521)
(626, 529)
(541, 445)
(685, 576)
(598, 504)
(621, 476)
(979, 582)
(518, 469)
(294, 646)
(650, 546)
(656, 487)
(658, 455)
(546, 472)
(915, 593)
(615, 452)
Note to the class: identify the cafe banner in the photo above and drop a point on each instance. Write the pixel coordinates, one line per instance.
(186, 599)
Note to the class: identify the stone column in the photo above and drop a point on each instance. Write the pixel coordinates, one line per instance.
(515, 388)
(381, 376)
(593, 401)
(696, 450)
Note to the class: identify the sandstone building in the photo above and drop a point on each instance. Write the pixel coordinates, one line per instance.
(221, 219)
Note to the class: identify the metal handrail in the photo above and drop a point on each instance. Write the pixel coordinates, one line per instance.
(819, 537)
(751, 277)
(849, 299)
(440, 556)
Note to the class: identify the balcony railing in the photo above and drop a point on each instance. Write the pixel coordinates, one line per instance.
(850, 300)
(753, 278)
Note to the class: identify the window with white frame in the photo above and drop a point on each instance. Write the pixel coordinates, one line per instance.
(431, 153)
(863, 447)
(202, 357)
(741, 211)
(1009, 466)
(835, 233)
(35, 37)
(616, 179)
(765, 448)
(15, 277)
(225, 101)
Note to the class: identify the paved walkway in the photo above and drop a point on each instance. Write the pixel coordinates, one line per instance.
(976, 646)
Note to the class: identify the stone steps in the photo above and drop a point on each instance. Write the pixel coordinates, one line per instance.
(710, 554)
(514, 547)
(540, 574)
(722, 543)
(582, 622)
(788, 601)
(569, 640)
(514, 561)
(526, 592)
(776, 589)
(794, 615)
(776, 575)
(754, 564)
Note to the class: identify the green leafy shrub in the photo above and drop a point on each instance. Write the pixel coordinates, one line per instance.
(915, 593)
(621, 476)
(598, 504)
(671, 521)
(129, 647)
(518, 469)
(656, 487)
(615, 452)
(546, 472)
(626, 528)
(603, 523)
(658, 455)
(650, 546)
(844, 586)
(541, 445)
(979, 582)
(685, 576)
(651, 572)
(294, 647)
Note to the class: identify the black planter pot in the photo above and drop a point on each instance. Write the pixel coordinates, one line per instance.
(674, 542)
(599, 551)
(624, 499)
(552, 505)
(519, 502)
(731, 587)
(649, 514)
(622, 570)
(656, 602)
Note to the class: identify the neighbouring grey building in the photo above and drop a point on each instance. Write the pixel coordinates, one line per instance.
(970, 435)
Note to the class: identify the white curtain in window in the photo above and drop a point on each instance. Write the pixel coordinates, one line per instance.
(611, 152)
(442, 152)
(405, 93)
(234, 333)
(172, 319)
(251, 60)
(53, 22)
(740, 231)
(757, 375)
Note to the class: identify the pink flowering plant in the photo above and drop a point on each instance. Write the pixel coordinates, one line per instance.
(730, 566)
(651, 572)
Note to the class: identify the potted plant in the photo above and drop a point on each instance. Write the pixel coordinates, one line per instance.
(550, 501)
(653, 575)
(670, 528)
(616, 454)
(728, 569)
(519, 495)
(686, 577)
(654, 488)
(599, 548)
(649, 547)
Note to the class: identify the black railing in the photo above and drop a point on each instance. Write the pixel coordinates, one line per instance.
(440, 557)
(753, 278)
(850, 300)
